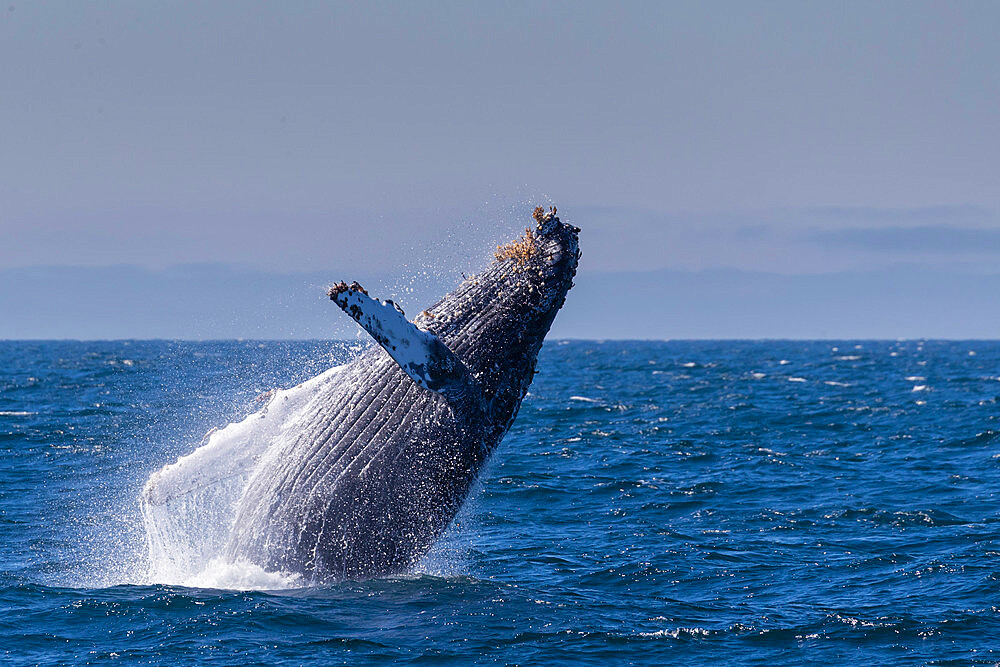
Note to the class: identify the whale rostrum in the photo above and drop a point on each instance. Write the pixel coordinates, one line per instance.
(379, 458)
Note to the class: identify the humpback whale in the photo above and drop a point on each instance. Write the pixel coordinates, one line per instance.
(379, 459)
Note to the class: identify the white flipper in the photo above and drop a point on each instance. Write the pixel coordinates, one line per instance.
(419, 353)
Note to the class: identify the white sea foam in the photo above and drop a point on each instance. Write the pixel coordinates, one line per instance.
(240, 576)
(584, 399)
(188, 506)
(16, 413)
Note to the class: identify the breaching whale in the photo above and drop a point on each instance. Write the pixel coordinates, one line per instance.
(381, 459)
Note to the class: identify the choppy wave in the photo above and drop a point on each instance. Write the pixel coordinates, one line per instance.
(696, 507)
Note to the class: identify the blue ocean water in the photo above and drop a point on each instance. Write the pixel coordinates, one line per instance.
(655, 502)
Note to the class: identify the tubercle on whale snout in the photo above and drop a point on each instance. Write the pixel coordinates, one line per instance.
(543, 217)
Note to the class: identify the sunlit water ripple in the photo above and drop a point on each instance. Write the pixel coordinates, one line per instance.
(655, 502)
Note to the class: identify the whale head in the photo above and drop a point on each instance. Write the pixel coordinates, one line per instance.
(497, 320)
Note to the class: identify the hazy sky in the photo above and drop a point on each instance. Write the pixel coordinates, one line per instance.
(780, 137)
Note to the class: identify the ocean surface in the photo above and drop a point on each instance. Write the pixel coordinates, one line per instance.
(655, 502)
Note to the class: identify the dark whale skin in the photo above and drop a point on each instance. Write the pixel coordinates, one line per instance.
(381, 465)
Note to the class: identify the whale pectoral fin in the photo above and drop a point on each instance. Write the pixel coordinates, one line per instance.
(419, 353)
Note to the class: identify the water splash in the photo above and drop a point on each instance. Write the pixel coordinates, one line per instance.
(188, 507)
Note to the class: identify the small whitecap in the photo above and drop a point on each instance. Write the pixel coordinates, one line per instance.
(689, 364)
(676, 633)
(16, 413)
(796, 379)
(919, 387)
(761, 376)
(584, 399)
(784, 362)
(972, 353)
(848, 357)
(834, 383)
(915, 378)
